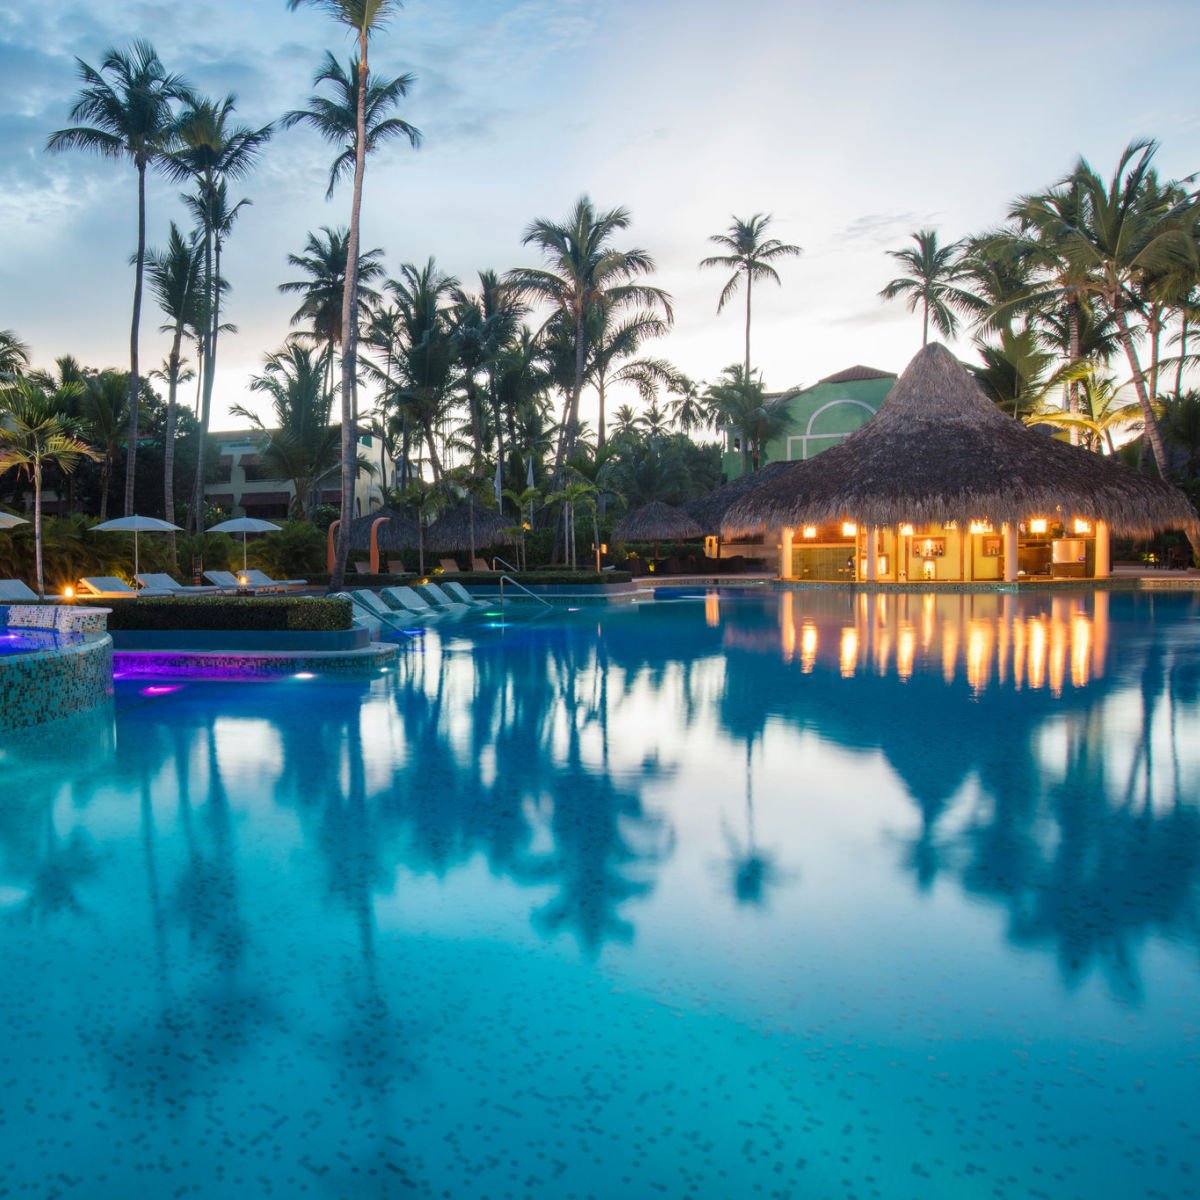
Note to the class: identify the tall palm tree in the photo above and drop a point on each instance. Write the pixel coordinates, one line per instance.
(33, 436)
(364, 18)
(103, 411)
(1129, 229)
(176, 279)
(583, 272)
(750, 256)
(300, 444)
(688, 407)
(128, 108)
(212, 151)
(930, 282)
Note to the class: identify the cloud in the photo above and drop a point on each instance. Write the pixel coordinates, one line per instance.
(880, 229)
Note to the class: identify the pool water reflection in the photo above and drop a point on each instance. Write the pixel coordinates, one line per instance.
(807, 895)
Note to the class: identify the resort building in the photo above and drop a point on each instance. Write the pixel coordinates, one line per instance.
(243, 486)
(819, 417)
(942, 486)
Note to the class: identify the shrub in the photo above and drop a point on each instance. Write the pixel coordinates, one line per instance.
(229, 612)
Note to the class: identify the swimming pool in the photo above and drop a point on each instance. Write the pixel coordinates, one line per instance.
(800, 895)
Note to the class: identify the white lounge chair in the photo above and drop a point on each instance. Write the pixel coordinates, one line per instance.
(160, 581)
(449, 566)
(259, 580)
(13, 591)
(110, 587)
(456, 591)
(440, 599)
(227, 581)
(480, 564)
(407, 602)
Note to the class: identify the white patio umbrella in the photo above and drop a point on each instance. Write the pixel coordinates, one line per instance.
(7, 520)
(244, 525)
(135, 525)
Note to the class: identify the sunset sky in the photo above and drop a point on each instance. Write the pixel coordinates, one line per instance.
(854, 124)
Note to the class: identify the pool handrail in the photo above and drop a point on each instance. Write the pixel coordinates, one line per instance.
(497, 559)
(523, 588)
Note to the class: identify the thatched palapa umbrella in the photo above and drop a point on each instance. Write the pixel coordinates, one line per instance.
(656, 522)
(399, 534)
(466, 528)
(709, 510)
(938, 451)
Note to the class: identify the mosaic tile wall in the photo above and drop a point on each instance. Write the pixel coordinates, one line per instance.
(48, 684)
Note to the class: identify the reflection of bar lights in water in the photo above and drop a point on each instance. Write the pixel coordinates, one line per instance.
(906, 644)
(810, 531)
(1081, 649)
(1037, 525)
(979, 654)
(1036, 658)
(808, 646)
(848, 651)
(712, 610)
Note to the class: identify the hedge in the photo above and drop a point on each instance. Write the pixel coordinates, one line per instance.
(531, 577)
(229, 612)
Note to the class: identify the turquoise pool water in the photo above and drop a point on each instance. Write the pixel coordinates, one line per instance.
(800, 896)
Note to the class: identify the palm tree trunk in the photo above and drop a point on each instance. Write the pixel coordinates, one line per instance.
(749, 285)
(131, 451)
(206, 353)
(169, 437)
(600, 435)
(1074, 352)
(925, 323)
(105, 473)
(1153, 433)
(37, 527)
(350, 324)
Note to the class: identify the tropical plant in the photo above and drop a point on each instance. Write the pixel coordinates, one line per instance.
(33, 436)
(750, 256)
(1101, 413)
(930, 283)
(524, 502)
(128, 108)
(584, 273)
(741, 402)
(364, 18)
(103, 409)
(14, 355)
(424, 501)
(574, 493)
(299, 444)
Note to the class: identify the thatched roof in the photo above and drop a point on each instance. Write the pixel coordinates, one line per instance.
(656, 522)
(452, 530)
(400, 533)
(709, 511)
(938, 450)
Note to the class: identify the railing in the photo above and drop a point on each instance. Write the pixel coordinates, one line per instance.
(520, 587)
(389, 621)
(504, 562)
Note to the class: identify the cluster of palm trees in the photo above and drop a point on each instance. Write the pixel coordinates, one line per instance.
(1088, 291)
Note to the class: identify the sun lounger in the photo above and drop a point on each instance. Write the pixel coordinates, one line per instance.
(408, 602)
(13, 591)
(362, 567)
(110, 587)
(395, 566)
(259, 580)
(456, 591)
(480, 564)
(227, 581)
(374, 607)
(439, 599)
(161, 582)
(449, 566)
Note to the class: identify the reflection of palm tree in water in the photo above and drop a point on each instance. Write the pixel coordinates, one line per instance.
(753, 871)
(61, 867)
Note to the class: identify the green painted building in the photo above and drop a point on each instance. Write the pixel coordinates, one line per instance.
(819, 417)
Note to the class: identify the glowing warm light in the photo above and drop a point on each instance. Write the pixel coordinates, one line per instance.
(808, 646)
(979, 655)
(68, 592)
(712, 610)
(949, 524)
(1081, 650)
(1082, 526)
(906, 644)
(1037, 525)
(849, 529)
(906, 531)
(243, 580)
(810, 531)
(930, 569)
(980, 527)
(1037, 653)
(848, 653)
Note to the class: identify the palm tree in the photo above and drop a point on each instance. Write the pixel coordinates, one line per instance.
(364, 17)
(750, 256)
(688, 407)
(212, 151)
(176, 279)
(33, 436)
(1101, 412)
(1126, 231)
(584, 272)
(130, 117)
(741, 402)
(105, 422)
(617, 341)
(300, 444)
(930, 283)
(425, 501)
(14, 355)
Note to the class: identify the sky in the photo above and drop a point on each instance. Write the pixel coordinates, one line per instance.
(854, 124)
